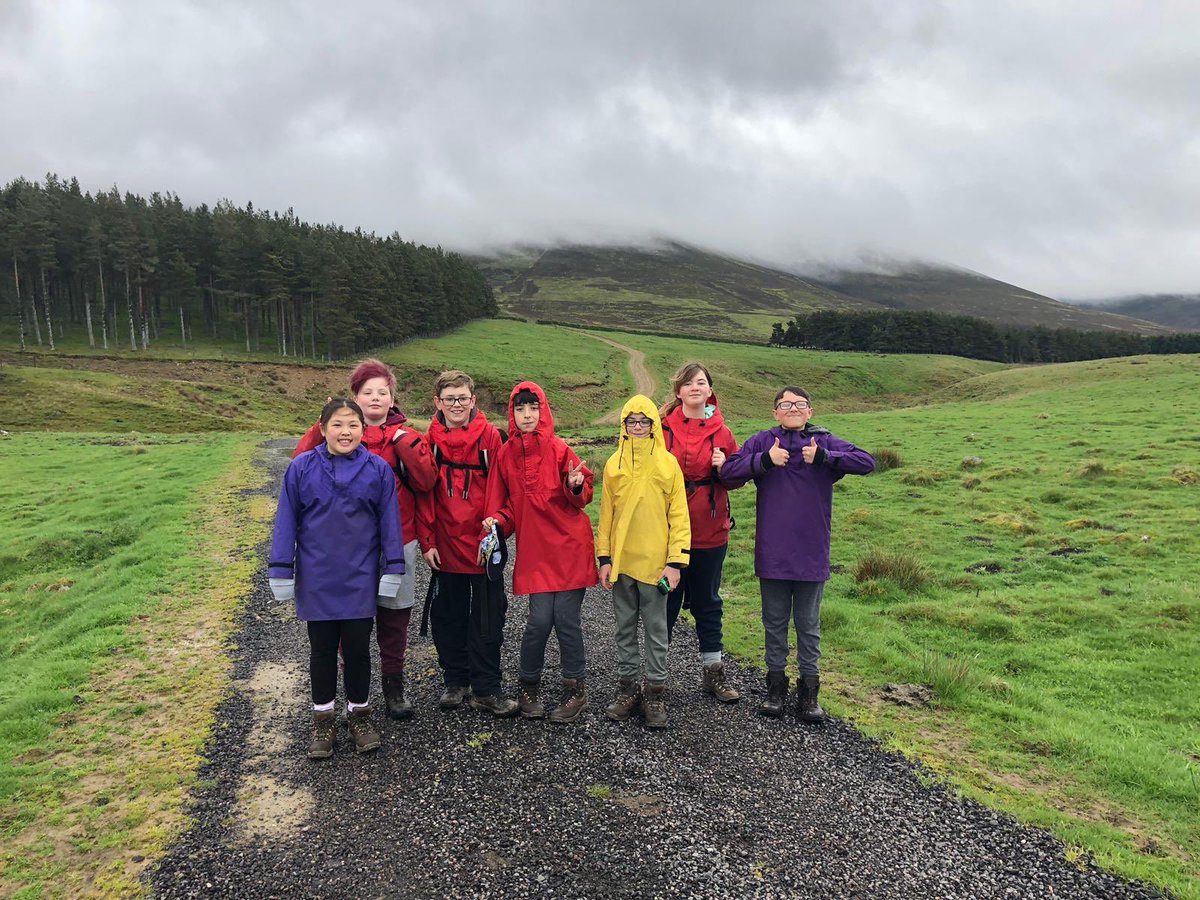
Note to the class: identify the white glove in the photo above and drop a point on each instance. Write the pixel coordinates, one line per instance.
(389, 586)
(283, 589)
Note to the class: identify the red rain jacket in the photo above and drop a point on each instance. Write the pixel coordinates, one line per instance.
(408, 457)
(528, 493)
(691, 442)
(449, 515)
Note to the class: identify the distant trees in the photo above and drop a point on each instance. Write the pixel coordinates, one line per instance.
(112, 263)
(902, 331)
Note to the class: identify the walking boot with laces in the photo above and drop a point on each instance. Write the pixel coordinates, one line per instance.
(573, 702)
(498, 706)
(324, 735)
(777, 688)
(527, 701)
(714, 683)
(362, 730)
(629, 697)
(398, 706)
(453, 696)
(807, 707)
(654, 704)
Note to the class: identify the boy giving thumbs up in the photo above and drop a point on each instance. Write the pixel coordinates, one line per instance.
(794, 466)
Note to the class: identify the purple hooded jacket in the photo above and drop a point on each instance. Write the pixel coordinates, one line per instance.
(335, 515)
(795, 502)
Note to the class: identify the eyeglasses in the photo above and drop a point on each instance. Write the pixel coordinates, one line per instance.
(786, 405)
(631, 422)
(455, 401)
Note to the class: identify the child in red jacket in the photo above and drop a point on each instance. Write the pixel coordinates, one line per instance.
(388, 435)
(539, 489)
(467, 616)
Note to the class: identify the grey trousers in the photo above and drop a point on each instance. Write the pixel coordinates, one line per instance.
(798, 600)
(559, 610)
(633, 600)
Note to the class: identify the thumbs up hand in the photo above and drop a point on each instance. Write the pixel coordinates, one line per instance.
(575, 476)
(778, 455)
(810, 452)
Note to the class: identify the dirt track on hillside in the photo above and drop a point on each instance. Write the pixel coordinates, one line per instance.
(643, 381)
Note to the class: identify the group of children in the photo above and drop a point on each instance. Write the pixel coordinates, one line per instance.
(365, 493)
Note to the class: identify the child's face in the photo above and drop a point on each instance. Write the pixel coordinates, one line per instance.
(343, 432)
(638, 426)
(694, 392)
(527, 415)
(455, 405)
(375, 398)
(795, 417)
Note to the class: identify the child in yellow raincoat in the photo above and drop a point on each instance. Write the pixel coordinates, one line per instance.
(643, 540)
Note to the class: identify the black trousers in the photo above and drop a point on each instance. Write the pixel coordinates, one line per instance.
(354, 636)
(467, 619)
(700, 582)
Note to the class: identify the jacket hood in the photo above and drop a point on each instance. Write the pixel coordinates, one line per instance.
(545, 424)
(644, 405)
(395, 417)
(463, 436)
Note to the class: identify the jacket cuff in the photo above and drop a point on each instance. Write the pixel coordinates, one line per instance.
(820, 455)
(677, 565)
(766, 462)
(604, 560)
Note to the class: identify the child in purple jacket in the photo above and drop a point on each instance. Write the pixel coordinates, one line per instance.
(337, 547)
(794, 466)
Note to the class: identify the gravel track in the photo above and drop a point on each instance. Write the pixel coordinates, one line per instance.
(723, 803)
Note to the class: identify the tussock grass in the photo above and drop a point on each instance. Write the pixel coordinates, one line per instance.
(952, 677)
(887, 459)
(902, 568)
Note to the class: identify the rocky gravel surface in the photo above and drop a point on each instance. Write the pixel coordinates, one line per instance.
(723, 803)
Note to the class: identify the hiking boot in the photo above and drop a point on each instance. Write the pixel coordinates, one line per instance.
(777, 688)
(324, 735)
(453, 696)
(654, 706)
(573, 702)
(398, 706)
(714, 683)
(500, 707)
(362, 730)
(807, 707)
(527, 701)
(629, 697)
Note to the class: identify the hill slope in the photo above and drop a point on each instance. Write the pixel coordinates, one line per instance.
(1178, 311)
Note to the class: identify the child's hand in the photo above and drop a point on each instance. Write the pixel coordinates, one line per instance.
(489, 523)
(810, 452)
(575, 476)
(718, 458)
(433, 558)
(605, 571)
(778, 455)
(672, 575)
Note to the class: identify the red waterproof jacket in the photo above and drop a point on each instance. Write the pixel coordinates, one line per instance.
(691, 441)
(528, 493)
(408, 457)
(449, 515)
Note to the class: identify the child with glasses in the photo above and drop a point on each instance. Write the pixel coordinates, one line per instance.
(642, 543)
(794, 466)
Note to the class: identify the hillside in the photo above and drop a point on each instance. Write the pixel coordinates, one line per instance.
(1178, 311)
(675, 288)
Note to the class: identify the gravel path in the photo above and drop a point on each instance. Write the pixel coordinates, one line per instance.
(723, 803)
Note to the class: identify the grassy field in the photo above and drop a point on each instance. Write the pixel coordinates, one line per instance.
(121, 564)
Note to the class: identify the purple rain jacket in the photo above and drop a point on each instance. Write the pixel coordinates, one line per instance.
(794, 502)
(335, 515)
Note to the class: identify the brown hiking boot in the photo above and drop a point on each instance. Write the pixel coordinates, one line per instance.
(324, 736)
(573, 702)
(359, 724)
(500, 707)
(654, 706)
(398, 706)
(777, 688)
(629, 697)
(527, 701)
(807, 707)
(453, 696)
(714, 683)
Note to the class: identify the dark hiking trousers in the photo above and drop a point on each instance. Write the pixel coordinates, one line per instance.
(701, 582)
(354, 636)
(467, 620)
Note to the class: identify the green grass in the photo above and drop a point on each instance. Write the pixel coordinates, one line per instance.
(1059, 622)
(102, 545)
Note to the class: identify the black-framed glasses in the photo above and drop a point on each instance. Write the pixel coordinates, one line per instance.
(631, 422)
(787, 405)
(455, 401)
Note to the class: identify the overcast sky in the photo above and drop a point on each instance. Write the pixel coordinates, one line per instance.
(1055, 145)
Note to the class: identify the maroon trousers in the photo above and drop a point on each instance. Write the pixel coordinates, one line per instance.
(391, 629)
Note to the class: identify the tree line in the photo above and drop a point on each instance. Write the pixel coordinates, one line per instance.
(904, 331)
(131, 269)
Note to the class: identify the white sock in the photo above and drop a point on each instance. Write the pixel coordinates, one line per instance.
(352, 707)
(709, 657)
(323, 707)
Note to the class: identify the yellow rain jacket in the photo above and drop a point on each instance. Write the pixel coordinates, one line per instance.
(644, 522)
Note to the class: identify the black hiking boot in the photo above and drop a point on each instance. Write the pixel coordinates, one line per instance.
(498, 706)
(454, 696)
(807, 708)
(777, 688)
(398, 706)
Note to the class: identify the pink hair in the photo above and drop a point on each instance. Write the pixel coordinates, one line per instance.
(368, 369)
